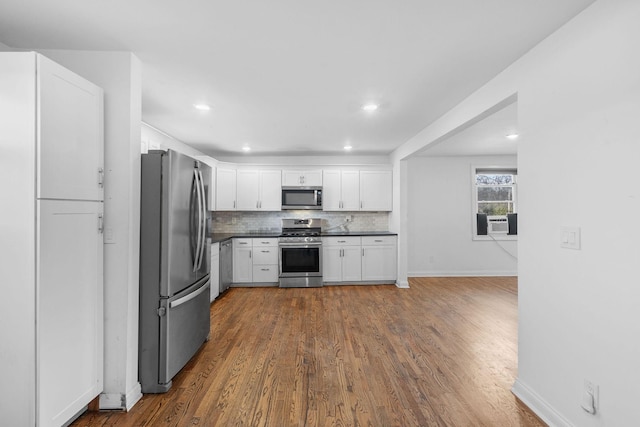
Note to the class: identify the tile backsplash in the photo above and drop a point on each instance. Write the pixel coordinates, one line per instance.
(243, 222)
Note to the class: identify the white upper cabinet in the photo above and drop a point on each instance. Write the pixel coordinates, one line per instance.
(376, 191)
(259, 190)
(310, 178)
(70, 142)
(225, 189)
(340, 190)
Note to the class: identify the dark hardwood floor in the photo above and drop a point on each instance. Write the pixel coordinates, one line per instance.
(442, 353)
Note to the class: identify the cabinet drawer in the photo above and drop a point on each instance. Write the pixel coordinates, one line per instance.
(265, 273)
(378, 240)
(265, 255)
(341, 241)
(242, 243)
(265, 242)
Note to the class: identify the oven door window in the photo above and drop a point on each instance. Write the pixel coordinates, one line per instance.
(300, 260)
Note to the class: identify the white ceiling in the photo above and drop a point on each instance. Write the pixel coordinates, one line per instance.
(289, 76)
(487, 137)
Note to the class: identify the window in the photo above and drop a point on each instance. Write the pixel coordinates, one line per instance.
(494, 203)
(496, 191)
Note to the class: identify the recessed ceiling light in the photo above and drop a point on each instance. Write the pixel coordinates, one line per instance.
(370, 107)
(512, 136)
(202, 107)
(246, 149)
(348, 147)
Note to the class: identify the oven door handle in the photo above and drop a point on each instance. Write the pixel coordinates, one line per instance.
(300, 245)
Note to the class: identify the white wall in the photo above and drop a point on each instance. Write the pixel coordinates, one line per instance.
(119, 74)
(579, 113)
(440, 219)
(578, 98)
(155, 139)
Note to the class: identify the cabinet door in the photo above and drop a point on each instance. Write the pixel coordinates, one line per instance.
(292, 178)
(331, 264)
(379, 263)
(242, 265)
(248, 190)
(270, 191)
(265, 255)
(225, 189)
(70, 308)
(351, 264)
(312, 178)
(350, 190)
(265, 273)
(70, 141)
(331, 190)
(376, 191)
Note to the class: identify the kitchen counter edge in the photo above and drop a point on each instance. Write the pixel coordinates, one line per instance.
(221, 237)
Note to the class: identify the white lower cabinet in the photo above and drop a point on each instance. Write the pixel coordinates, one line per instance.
(214, 276)
(255, 260)
(341, 260)
(265, 260)
(379, 258)
(366, 259)
(242, 262)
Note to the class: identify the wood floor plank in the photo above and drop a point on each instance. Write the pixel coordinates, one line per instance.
(442, 353)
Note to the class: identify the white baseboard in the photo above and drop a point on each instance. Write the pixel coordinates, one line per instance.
(468, 273)
(539, 406)
(121, 402)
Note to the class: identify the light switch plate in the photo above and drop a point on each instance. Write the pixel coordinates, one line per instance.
(570, 237)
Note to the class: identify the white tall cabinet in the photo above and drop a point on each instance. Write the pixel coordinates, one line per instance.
(51, 169)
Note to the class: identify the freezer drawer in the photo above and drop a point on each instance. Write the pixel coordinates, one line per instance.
(168, 342)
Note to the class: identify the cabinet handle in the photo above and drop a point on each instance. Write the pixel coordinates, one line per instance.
(234, 204)
(342, 241)
(362, 251)
(361, 204)
(265, 252)
(250, 254)
(265, 243)
(242, 243)
(379, 241)
(100, 224)
(265, 269)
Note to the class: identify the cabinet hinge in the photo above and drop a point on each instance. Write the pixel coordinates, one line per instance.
(101, 177)
(162, 311)
(100, 223)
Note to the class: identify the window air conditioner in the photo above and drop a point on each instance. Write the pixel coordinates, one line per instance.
(497, 224)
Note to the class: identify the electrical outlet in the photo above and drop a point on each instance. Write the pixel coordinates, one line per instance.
(590, 397)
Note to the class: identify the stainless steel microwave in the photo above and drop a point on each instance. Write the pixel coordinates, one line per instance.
(301, 197)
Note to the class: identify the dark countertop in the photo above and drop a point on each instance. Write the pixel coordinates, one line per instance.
(220, 237)
(358, 233)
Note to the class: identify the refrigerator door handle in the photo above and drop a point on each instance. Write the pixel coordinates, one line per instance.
(189, 297)
(198, 252)
(203, 236)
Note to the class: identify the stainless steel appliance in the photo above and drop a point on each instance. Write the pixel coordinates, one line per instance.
(226, 265)
(174, 266)
(300, 253)
(301, 197)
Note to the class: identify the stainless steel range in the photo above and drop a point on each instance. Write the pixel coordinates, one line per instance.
(300, 247)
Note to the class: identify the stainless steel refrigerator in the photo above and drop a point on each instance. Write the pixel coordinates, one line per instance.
(174, 265)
